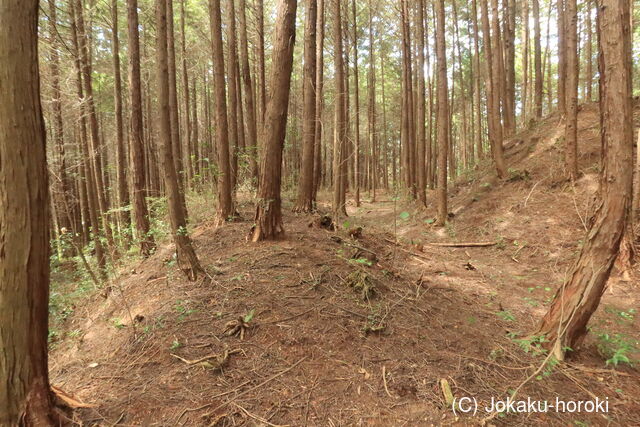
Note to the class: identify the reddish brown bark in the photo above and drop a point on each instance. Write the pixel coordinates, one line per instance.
(24, 214)
(305, 187)
(269, 210)
(565, 324)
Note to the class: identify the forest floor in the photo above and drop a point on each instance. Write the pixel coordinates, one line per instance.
(343, 330)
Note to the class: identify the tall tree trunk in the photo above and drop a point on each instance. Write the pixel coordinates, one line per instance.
(262, 92)
(340, 131)
(174, 114)
(317, 168)
(356, 94)
(565, 324)
(537, 59)
(562, 58)
(186, 257)
(421, 117)
(95, 153)
(408, 123)
(121, 149)
(509, 24)
(232, 66)
(476, 84)
(443, 115)
(373, 140)
(251, 120)
(91, 187)
(571, 91)
(268, 211)
(524, 88)
(225, 201)
(493, 93)
(63, 184)
(589, 53)
(136, 136)
(305, 188)
(24, 214)
(188, 151)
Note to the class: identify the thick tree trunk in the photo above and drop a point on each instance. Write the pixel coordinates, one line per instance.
(443, 115)
(565, 324)
(571, 91)
(225, 202)
(305, 187)
(186, 257)
(136, 136)
(24, 214)
(268, 211)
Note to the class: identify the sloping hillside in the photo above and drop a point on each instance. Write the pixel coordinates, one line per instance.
(348, 329)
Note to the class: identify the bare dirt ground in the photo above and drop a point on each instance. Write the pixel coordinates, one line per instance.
(341, 330)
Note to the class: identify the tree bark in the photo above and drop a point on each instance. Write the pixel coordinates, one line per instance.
(188, 146)
(251, 120)
(565, 324)
(174, 114)
(232, 66)
(317, 168)
(443, 115)
(121, 149)
(356, 95)
(225, 202)
(421, 116)
(24, 214)
(537, 59)
(493, 98)
(186, 257)
(95, 152)
(571, 91)
(136, 136)
(268, 211)
(339, 141)
(305, 187)
(562, 61)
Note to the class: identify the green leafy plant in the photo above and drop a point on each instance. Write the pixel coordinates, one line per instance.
(505, 315)
(617, 348)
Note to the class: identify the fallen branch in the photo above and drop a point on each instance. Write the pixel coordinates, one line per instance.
(384, 381)
(464, 244)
